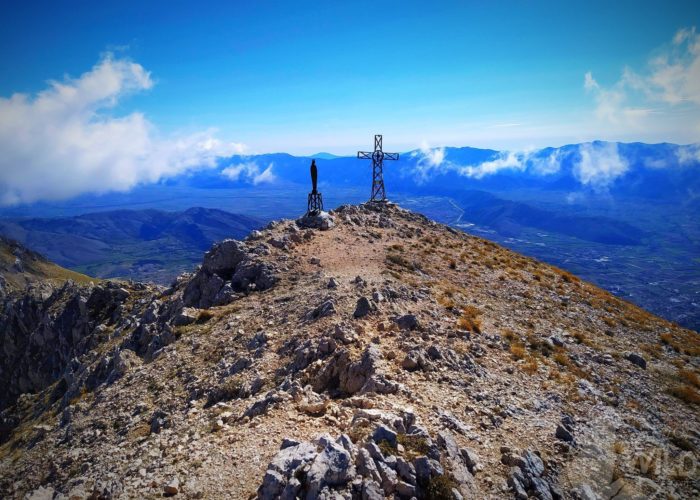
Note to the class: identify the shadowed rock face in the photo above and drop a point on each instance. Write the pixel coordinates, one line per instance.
(228, 268)
(47, 327)
(57, 333)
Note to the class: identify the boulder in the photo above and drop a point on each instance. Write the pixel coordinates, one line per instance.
(350, 377)
(532, 464)
(636, 359)
(564, 434)
(426, 468)
(322, 221)
(228, 267)
(223, 257)
(407, 322)
(383, 433)
(325, 308)
(363, 307)
(366, 466)
(333, 466)
(186, 316)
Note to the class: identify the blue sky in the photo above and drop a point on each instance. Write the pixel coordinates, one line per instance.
(122, 93)
(302, 76)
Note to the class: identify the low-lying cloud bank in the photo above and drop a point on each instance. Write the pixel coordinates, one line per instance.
(596, 165)
(63, 142)
(249, 172)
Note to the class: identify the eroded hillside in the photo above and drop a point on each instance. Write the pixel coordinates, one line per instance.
(386, 357)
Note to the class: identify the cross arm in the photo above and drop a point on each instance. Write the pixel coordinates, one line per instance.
(391, 156)
(365, 155)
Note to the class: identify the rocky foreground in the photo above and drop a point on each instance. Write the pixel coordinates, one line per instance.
(380, 355)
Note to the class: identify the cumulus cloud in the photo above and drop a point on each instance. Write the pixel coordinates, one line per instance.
(249, 172)
(504, 160)
(599, 165)
(670, 83)
(428, 160)
(63, 141)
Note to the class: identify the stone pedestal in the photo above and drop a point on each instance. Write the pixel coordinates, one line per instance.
(321, 220)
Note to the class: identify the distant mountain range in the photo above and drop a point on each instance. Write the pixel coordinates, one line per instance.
(145, 244)
(622, 215)
(652, 171)
(325, 156)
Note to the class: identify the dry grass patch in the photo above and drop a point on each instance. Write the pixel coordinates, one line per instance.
(683, 341)
(470, 319)
(686, 393)
(518, 351)
(653, 350)
(401, 261)
(531, 366)
(447, 302)
(510, 335)
(689, 376)
(563, 359)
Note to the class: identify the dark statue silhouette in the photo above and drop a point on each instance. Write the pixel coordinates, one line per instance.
(314, 176)
(315, 201)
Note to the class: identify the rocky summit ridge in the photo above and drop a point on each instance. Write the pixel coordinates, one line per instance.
(386, 356)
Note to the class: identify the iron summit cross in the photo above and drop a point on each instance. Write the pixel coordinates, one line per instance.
(377, 156)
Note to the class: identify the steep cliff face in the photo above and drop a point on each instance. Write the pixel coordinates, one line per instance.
(386, 356)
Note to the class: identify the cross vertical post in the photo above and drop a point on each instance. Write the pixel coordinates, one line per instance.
(377, 156)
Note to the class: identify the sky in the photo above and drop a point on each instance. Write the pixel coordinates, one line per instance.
(135, 91)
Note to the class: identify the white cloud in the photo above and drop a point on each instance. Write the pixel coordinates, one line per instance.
(599, 165)
(428, 161)
(689, 154)
(546, 165)
(250, 172)
(504, 160)
(63, 142)
(664, 97)
(595, 165)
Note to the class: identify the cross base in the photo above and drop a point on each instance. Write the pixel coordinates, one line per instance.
(377, 156)
(315, 203)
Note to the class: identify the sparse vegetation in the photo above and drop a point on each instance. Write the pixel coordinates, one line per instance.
(618, 447)
(414, 445)
(401, 261)
(360, 431)
(517, 351)
(440, 488)
(470, 319)
(204, 316)
(689, 376)
(386, 448)
(531, 366)
(686, 393)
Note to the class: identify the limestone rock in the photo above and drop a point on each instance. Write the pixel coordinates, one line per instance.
(322, 221)
(363, 307)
